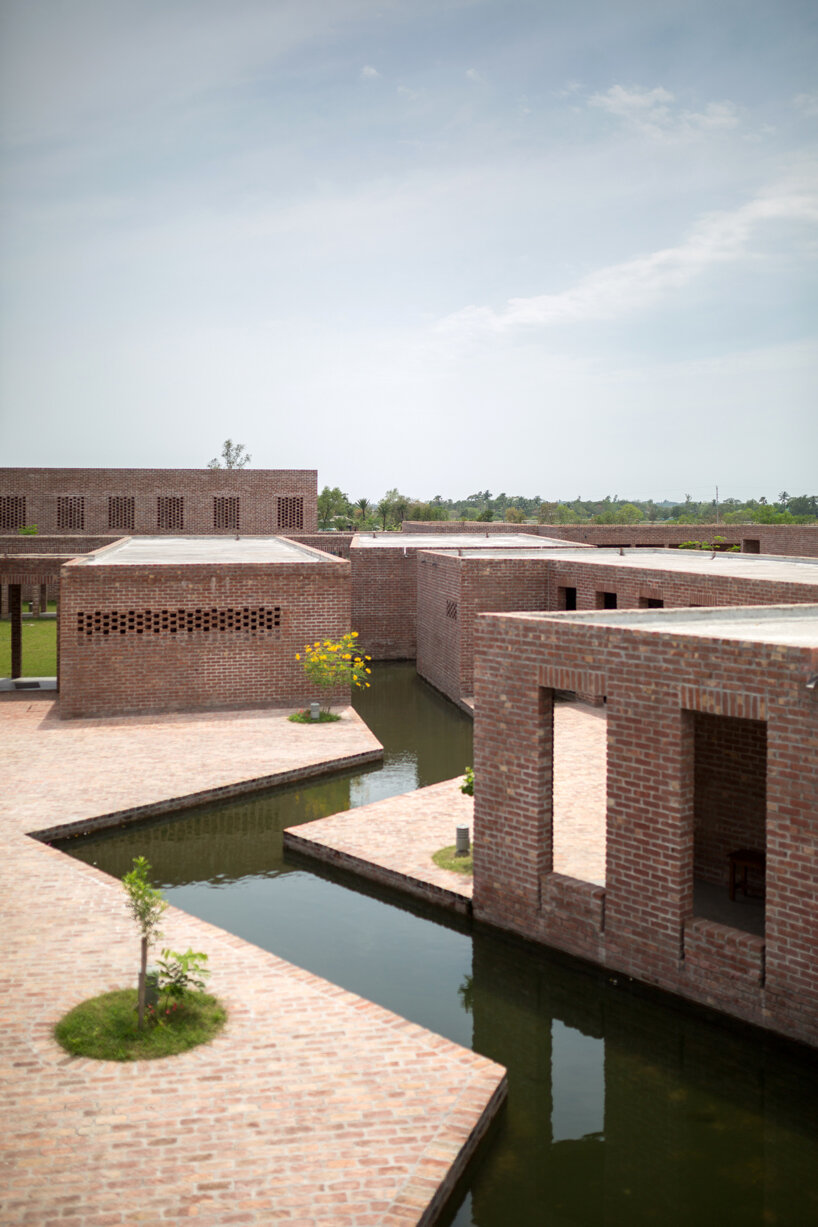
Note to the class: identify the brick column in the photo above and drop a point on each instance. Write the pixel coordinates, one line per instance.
(16, 612)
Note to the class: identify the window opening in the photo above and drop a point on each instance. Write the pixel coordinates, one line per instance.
(226, 512)
(121, 512)
(170, 512)
(71, 511)
(290, 511)
(12, 511)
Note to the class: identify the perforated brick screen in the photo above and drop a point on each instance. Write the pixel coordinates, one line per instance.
(170, 512)
(71, 511)
(121, 511)
(226, 512)
(290, 511)
(12, 510)
(248, 619)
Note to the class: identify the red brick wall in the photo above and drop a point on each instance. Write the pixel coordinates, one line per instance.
(641, 927)
(445, 644)
(445, 648)
(336, 544)
(439, 622)
(633, 586)
(200, 668)
(794, 540)
(258, 492)
(384, 584)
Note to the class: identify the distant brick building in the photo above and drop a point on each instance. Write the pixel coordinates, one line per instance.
(153, 502)
(171, 624)
(794, 540)
(712, 749)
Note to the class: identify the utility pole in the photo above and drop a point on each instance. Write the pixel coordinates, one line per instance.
(717, 504)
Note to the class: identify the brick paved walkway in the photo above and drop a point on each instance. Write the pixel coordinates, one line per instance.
(312, 1107)
(392, 841)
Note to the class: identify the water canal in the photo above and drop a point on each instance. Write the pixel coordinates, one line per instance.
(623, 1110)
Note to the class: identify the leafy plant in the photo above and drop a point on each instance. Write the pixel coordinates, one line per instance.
(181, 974)
(467, 786)
(331, 664)
(146, 906)
(27, 530)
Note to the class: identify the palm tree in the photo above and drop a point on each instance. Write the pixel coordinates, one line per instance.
(363, 505)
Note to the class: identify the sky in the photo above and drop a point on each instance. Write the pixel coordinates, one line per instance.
(565, 249)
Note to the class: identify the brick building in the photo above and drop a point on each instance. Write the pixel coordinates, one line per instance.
(712, 742)
(453, 587)
(794, 540)
(167, 624)
(385, 579)
(159, 501)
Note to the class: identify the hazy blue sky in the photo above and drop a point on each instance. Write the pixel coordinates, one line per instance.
(554, 248)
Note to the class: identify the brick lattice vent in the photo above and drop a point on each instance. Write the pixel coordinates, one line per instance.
(178, 621)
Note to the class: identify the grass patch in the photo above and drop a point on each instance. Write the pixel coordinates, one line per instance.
(105, 1027)
(303, 717)
(39, 648)
(446, 859)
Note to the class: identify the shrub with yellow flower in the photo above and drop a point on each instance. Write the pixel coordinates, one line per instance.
(335, 663)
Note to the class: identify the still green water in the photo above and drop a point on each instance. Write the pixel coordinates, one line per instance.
(623, 1110)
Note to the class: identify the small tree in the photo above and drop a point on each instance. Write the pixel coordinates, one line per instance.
(146, 906)
(331, 665)
(233, 456)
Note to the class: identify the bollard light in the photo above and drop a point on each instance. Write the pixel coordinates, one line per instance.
(315, 711)
(462, 846)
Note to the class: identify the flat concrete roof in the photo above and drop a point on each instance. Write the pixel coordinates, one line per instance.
(702, 562)
(791, 625)
(171, 551)
(458, 541)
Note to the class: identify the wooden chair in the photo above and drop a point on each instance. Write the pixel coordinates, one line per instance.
(742, 860)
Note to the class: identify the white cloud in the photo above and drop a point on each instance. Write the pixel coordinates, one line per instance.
(473, 75)
(637, 284)
(808, 103)
(652, 113)
(368, 73)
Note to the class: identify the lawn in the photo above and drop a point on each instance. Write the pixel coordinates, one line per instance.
(39, 647)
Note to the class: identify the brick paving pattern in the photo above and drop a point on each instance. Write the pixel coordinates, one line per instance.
(392, 841)
(312, 1107)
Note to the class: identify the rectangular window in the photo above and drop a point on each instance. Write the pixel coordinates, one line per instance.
(651, 602)
(606, 600)
(170, 512)
(71, 511)
(12, 511)
(451, 610)
(226, 512)
(566, 598)
(290, 511)
(121, 512)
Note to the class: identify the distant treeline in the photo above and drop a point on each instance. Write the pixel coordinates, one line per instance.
(337, 510)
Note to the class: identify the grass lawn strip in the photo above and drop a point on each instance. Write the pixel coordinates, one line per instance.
(446, 859)
(39, 647)
(105, 1027)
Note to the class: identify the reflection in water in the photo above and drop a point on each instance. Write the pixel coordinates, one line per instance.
(622, 1111)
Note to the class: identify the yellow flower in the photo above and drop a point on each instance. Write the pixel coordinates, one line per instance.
(368, 671)
(298, 656)
(367, 685)
(354, 634)
(316, 644)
